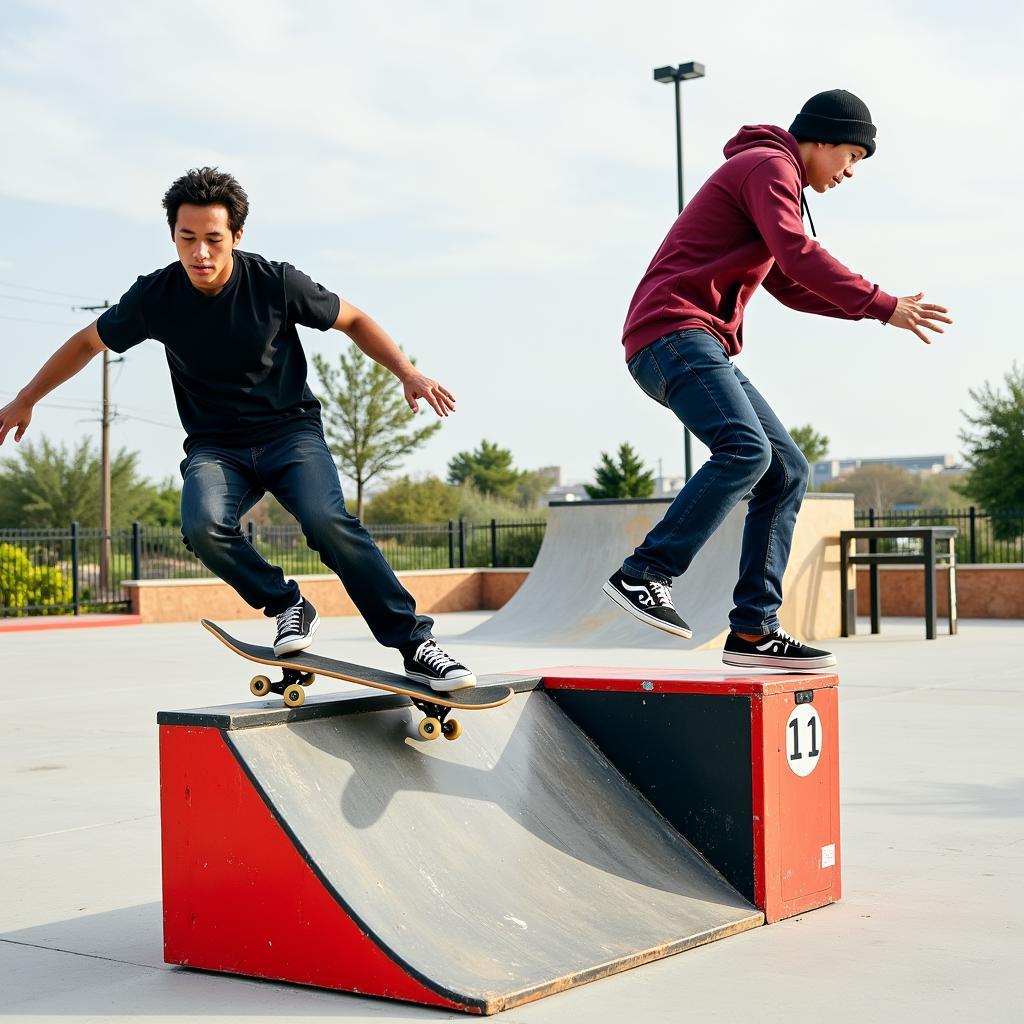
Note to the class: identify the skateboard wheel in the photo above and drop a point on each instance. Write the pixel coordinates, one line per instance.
(452, 729)
(430, 728)
(259, 686)
(308, 678)
(294, 696)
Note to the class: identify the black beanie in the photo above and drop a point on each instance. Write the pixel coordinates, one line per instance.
(835, 116)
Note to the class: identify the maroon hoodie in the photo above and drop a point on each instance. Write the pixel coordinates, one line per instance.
(744, 228)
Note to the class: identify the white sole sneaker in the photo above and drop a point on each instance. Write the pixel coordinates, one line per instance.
(300, 643)
(648, 620)
(769, 661)
(444, 685)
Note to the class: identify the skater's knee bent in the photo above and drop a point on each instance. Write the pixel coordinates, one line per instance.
(749, 458)
(799, 471)
(202, 529)
(788, 473)
(331, 527)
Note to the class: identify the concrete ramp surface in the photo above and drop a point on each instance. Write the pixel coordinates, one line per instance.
(511, 864)
(561, 601)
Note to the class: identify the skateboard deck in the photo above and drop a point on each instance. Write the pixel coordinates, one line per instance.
(301, 668)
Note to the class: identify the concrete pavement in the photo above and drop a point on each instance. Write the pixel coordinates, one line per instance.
(933, 838)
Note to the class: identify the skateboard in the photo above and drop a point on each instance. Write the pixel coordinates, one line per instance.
(301, 668)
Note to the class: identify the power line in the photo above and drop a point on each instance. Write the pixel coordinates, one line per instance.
(84, 404)
(36, 302)
(42, 291)
(59, 405)
(29, 320)
(115, 415)
(155, 423)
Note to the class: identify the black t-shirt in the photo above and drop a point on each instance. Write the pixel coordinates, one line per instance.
(237, 365)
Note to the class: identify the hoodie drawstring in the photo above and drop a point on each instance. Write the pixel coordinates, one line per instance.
(807, 210)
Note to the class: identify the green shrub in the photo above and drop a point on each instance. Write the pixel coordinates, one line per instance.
(23, 584)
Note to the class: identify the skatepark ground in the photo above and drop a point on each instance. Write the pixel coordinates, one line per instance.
(930, 925)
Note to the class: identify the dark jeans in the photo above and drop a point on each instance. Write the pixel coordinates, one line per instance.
(222, 484)
(751, 454)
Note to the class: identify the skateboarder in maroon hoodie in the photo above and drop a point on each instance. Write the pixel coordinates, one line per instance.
(684, 328)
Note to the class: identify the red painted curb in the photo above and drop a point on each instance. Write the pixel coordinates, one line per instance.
(38, 622)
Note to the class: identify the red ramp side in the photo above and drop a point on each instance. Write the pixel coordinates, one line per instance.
(251, 904)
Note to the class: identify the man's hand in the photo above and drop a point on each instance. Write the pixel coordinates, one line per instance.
(15, 414)
(418, 385)
(74, 354)
(912, 314)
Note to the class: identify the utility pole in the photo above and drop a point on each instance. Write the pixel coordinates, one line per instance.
(105, 418)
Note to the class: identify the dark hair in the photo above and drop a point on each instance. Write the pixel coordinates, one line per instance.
(207, 186)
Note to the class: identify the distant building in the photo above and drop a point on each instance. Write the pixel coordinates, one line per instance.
(566, 492)
(557, 491)
(829, 469)
(664, 487)
(667, 486)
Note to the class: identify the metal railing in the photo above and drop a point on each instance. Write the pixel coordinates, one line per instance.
(985, 538)
(53, 572)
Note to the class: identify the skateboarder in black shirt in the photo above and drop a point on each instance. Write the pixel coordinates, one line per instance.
(227, 320)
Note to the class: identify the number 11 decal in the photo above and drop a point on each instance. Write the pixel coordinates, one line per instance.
(804, 739)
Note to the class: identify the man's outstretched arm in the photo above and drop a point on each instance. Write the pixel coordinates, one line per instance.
(910, 313)
(377, 344)
(68, 360)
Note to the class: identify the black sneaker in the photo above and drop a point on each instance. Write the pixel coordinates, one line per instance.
(647, 600)
(776, 650)
(439, 670)
(295, 628)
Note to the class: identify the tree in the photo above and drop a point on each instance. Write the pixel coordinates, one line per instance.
(268, 511)
(49, 487)
(414, 501)
(994, 449)
(489, 469)
(625, 478)
(164, 505)
(879, 486)
(366, 418)
(812, 444)
(532, 486)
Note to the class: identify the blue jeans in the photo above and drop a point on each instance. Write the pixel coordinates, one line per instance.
(222, 484)
(752, 454)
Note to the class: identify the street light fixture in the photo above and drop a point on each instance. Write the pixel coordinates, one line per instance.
(675, 75)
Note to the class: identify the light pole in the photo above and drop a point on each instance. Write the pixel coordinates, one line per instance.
(675, 75)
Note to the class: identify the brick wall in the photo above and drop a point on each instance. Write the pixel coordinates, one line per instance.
(438, 590)
(982, 591)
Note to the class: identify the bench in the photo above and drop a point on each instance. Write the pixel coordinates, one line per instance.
(928, 558)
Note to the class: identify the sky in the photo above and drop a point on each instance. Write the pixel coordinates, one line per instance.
(489, 182)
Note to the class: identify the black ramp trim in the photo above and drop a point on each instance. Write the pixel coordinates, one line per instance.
(510, 864)
(254, 714)
(273, 711)
(282, 821)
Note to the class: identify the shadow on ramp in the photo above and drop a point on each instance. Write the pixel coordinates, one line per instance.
(509, 865)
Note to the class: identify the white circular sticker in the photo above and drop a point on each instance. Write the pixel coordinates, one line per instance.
(803, 739)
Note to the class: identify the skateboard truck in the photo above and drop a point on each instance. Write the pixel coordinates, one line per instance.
(291, 687)
(437, 722)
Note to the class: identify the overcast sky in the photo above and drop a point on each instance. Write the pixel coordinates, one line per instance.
(489, 181)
